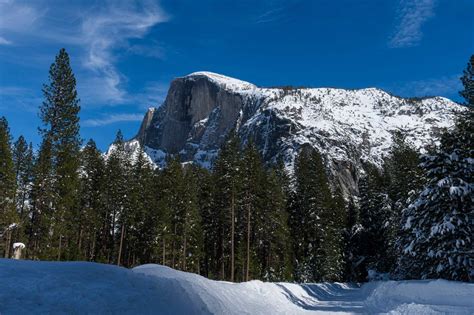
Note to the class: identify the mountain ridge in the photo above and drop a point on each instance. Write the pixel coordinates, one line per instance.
(349, 127)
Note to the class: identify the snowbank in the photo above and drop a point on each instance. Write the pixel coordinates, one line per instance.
(422, 297)
(78, 287)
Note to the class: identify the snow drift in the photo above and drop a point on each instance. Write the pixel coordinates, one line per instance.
(78, 287)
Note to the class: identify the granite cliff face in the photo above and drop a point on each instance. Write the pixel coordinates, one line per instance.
(197, 113)
(347, 126)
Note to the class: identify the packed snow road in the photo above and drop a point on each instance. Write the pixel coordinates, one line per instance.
(28, 287)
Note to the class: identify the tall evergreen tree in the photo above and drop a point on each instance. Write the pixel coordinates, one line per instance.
(209, 223)
(42, 211)
(439, 221)
(92, 215)
(375, 217)
(405, 181)
(227, 180)
(164, 214)
(8, 216)
(23, 161)
(117, 172)
(192, 233)
(59, 113)
(173, 205)
(251, 213)
(313, 232)
(438, 224)
(181, 230)
(144, 205)
(133, 244)
(352, 244)
(403, 170)
(335, 222)
(276, 259)
(468, 82)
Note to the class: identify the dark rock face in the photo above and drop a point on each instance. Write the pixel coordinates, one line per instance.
(191, 107)
(347, 127)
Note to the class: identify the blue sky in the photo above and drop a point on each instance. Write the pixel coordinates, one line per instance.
(124, 53)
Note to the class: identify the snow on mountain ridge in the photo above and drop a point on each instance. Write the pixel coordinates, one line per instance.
(347, 126)
(222, 80)
(338, 115)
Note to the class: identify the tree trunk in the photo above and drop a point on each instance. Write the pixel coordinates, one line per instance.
(164, 252)
(112, 249)
(121, 244)
(59, 250)
(184, 250)
(232, 240)
(222, 261)
(92, 252)
(248, 244)
(7, 244)
(79, 245)
(173, 248)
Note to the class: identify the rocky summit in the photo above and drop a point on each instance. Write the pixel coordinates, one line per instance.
(349, 127)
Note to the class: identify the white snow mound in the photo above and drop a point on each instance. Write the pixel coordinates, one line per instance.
(18, 245)
(29, 287)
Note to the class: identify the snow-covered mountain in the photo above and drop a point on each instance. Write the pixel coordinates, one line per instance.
(347, 126)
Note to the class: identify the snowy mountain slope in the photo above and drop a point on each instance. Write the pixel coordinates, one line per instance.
(347, 126)
(78, 287)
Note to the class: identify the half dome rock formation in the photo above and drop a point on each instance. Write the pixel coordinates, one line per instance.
(349, 127)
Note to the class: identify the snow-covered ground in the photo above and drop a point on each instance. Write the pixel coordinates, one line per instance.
(28, 287)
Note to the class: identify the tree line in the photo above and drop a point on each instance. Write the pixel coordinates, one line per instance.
(242, 219)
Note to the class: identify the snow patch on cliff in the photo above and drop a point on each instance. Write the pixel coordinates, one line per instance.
(223, 81)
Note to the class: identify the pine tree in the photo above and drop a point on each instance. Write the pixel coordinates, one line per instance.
(8, 217)
(313, 232)
(144, 205)
(405, 181)
(59, 113)
(192, 233)
(227, 180)
(403, 170)
(42, 211)
(468, 82)
(439, 221)
(375, 217)
(251, 215)
(164, 215)
(92, 215)
(23, 162)
(117, 172)
(352, 244)
(209, 223)
(175, 206)
(276, 261)
(438, 224)
(139, 200)
(334, 241)
(134, 245)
